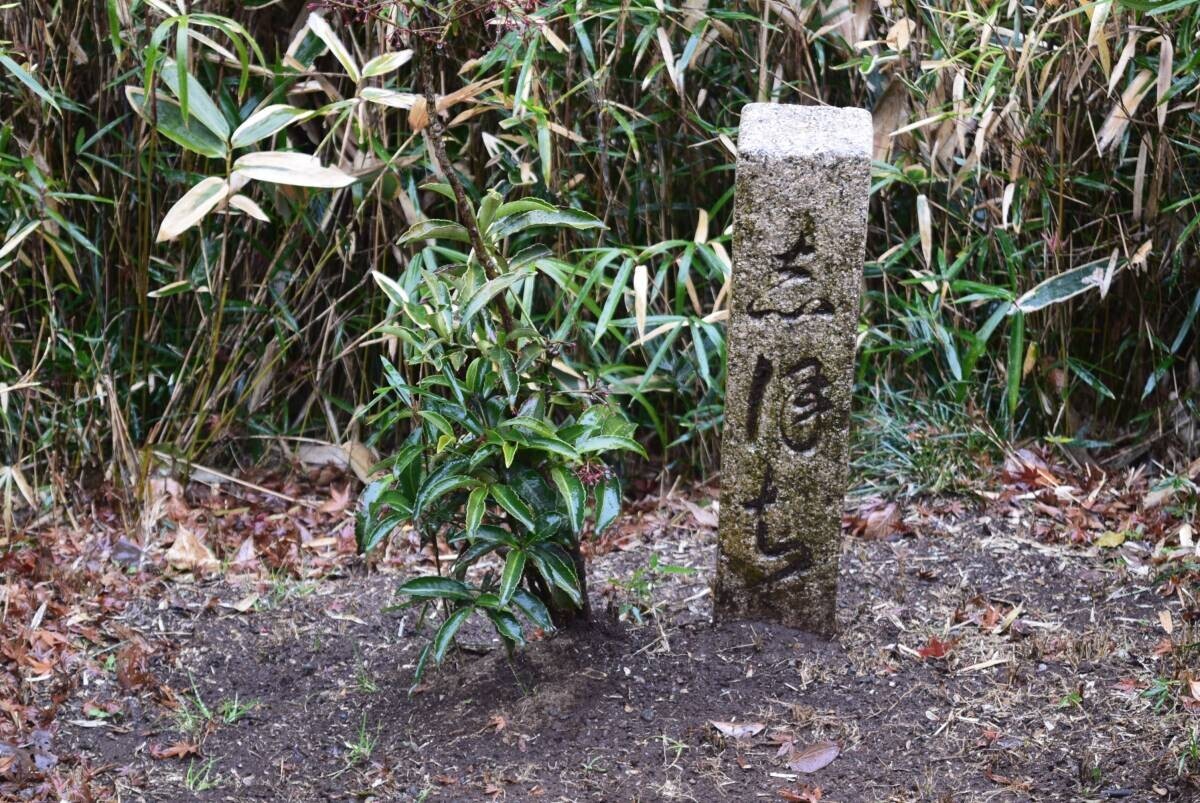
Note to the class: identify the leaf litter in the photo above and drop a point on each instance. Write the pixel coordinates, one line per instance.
(72, 607)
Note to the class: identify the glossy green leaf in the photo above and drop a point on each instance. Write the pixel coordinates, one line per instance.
(476, 505)
(489, 290)
(556, 568)
(533, 608)
(374, 531)
(606, 443)
(532, 424)
(516, 507)
(437, 487)
(510, 208)
(439, 421)
(574, 495)
(444, 636)
(507, 626)
(553, 446)
(608, 503)
(435, 587)
(497, 535)
(514, 569)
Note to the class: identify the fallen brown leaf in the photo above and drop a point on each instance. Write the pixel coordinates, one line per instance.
(806, 794)
(738, 730)
(936, 648)
(177, 750)
(814, 757)
(337, 501)
(188, 554)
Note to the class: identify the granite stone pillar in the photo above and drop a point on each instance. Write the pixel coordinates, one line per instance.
(800, 218)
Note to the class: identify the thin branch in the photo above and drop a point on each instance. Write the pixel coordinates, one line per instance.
(466, 213)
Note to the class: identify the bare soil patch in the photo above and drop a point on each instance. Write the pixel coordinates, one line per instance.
(975, 662)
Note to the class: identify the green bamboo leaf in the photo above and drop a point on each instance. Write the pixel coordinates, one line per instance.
(185, 132)
(615, 294)
(435, 230)
(267, 121)
(28, 80)
(571, 218)
(199, 105)
(181, 88)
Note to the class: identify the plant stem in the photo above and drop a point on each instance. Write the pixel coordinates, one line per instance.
(437, 139)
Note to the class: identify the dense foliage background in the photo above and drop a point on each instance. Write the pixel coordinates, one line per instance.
(1031, 259)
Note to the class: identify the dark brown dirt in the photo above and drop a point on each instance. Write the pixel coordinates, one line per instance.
(1039, 696)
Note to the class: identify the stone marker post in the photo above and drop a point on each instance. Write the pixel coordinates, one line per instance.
(799, 232)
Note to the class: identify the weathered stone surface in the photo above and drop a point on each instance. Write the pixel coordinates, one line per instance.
(800, 218)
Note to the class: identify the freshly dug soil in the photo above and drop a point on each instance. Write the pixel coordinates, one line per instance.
(973, 664)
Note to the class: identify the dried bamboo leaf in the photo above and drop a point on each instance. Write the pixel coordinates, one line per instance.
(1121, 112)
(1166, 57)
(925, 224)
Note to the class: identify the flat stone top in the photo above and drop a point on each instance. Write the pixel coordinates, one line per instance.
(785, 130)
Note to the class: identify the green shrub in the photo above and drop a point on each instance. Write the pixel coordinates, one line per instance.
(506, 439)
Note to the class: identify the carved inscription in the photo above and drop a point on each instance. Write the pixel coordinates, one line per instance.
(799, 248)
(806, 403)
(801, 556)
(763, 370)
(791, 295)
